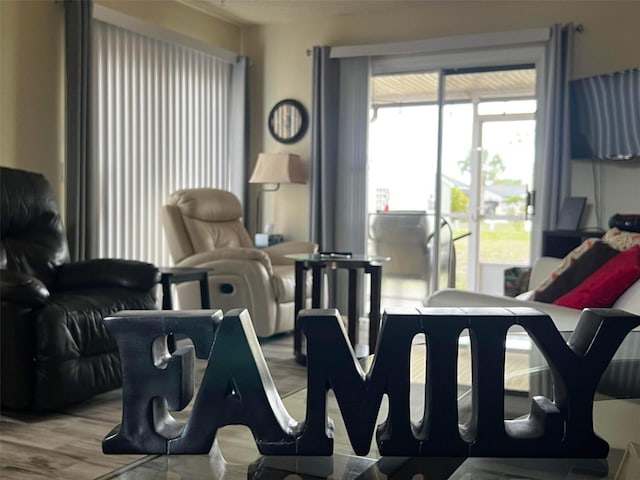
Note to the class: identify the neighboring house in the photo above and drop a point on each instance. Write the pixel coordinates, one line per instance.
(499, 199)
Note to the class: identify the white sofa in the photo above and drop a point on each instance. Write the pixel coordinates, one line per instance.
(564, 318)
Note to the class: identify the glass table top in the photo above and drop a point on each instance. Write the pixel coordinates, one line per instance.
(336, 256)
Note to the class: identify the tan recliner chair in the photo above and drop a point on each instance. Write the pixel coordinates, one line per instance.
(203, 229)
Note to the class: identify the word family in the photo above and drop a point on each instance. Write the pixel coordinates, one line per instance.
(237, 387)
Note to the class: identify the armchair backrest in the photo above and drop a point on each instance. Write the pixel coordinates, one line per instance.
(203, 219)
(32, 238)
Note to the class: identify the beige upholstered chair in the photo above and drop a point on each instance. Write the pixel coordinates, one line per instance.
(203, 229)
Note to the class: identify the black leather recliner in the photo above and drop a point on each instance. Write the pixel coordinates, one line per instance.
(55, 347)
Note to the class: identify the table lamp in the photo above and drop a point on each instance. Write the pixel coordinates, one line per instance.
(275, 169)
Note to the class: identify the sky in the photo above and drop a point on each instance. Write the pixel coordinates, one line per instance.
(403, 151)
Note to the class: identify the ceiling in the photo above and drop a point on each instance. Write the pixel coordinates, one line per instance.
(262, 12)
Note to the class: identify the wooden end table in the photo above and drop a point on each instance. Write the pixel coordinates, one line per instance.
(318, 263)
(175, 275)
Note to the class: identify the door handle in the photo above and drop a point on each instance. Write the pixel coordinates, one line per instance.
(529, 208)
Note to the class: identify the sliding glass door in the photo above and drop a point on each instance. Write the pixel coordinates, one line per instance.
(470, 182)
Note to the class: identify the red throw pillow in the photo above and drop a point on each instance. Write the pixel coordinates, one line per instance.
(576, 271)
(602, 288)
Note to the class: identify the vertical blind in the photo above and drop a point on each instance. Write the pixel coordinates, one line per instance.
(161, 118)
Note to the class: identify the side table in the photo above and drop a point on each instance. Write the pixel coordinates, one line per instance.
(558, 243)
(174, 275)
(371, 265)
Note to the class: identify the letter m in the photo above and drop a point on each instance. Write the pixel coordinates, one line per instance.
(331, 364)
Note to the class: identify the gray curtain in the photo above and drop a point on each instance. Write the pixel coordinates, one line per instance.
(353, 119)
(556, 167)
(324, 149)
(338, 172)
(239, 129)
(78, 44)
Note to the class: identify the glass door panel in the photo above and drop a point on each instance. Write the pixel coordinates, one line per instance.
(403, 136)
(507, 173)
(457, 144)
(488, 152)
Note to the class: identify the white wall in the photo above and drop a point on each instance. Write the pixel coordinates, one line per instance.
(620, 188)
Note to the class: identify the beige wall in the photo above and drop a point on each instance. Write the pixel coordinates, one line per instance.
(282, 68)
(31, 87)
(32, 84)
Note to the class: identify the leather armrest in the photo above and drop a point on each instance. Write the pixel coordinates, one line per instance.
(107, 272)
(17, 287)
(249, 254)
(278, 251)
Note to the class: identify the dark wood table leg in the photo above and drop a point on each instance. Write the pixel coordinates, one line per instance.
(353, 307)
(316, 286)
(375, 272)
(167, 304)
(167, 301)
(205, 301)
(299, 298)
(174, 276)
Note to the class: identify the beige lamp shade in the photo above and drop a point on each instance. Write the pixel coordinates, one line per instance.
(278, 168)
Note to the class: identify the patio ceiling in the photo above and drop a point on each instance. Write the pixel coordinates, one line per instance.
(423, 87)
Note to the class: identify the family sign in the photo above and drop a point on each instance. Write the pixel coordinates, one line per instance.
(237, 388)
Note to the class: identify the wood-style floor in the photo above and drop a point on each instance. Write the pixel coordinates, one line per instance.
(67, 444)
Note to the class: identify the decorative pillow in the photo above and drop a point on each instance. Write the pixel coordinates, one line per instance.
(571, 257)
(621, 239)
(577, 270)
(602, 288)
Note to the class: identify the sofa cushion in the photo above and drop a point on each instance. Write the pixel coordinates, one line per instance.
(574, 269)
(71, 324)
(629, 301)
(566, 263)
(620, 239)
(602, 288)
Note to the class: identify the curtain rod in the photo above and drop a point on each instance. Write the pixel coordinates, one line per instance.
(578, 28)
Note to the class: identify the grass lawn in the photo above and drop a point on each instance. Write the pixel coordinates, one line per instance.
(504, 243)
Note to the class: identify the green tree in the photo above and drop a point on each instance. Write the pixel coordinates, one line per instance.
(459, 201)
(492, 168)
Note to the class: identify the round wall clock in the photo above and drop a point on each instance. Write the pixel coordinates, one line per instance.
(288, 121)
